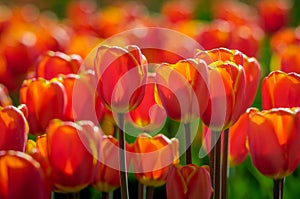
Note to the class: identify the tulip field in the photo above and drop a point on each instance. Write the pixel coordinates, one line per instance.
(150, 99)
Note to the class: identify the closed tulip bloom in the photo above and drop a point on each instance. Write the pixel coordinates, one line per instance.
(51, 64)
(250, 65)
(13, 129)
(182, 89)
(280, 89)
(21, 176)
(274, 14)
(148, 116)
(83, 101)
(226, 88)
(274, 141)
(188, 182)
(72, 152)
(121, 75)
(152, 158)
(107, 177)
(45, 100)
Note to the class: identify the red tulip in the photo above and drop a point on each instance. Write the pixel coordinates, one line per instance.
(45, 100)
(289, 60)
(274, 141)
(122, 74)
(21, 175)
(182, 89)
(152, 158)
(51, 64)
(176, 11)
(83, 102)
(274, 14)
(188, 182)
(107, 177)
(227, 87)
(13, 129)
(284, 38)
(72, 152)
(148, 116)
(280, 89)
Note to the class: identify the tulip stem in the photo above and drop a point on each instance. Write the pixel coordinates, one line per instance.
(141, 191)
(122, 156)
(104, 195)
(225, 165)
(188, 145)
(150, 191)
(215, 164)
(278, 188)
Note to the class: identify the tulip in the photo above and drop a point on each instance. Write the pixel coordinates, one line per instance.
(279, 128)
(13, 129)
(107, 177)
(152, 158)
(182, 89)
(288, 59)
(122, 74)
(176, 11)
(45, 100)
(188, 182)
(72, 152)
(280, 89)
(229, 85)
(83, 101)
(148, 116)
(273, 14)
(51, 64)
(284, 38)
(21, 175)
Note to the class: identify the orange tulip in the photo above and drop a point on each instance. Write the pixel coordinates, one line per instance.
(274, 141)
(13, 129)
(152, 158)
(21, 175)
(188, 182)
(280, 89)
(227, 87)
(107, 177)
(72, 152)
(51, 64)
(182, 89)
(122, 74)
(284, 38)
(148, 116)
(45, 100)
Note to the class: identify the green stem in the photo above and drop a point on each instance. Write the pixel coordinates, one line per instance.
(278, 188)
(122, 158)
(225, 165)
(215, 164)
(188, 144)
(150, 191)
